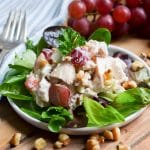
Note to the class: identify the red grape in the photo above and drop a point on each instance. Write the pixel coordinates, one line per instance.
(79, 57)
(82, 26)
(93, 27)
(120, 29)
(106, 21)
(77, 9)
(146, 5)
(138, 17)
(70, 22)
(121, 14)
(144, 31)
(90, 5)
(133, 3)
(104, 6)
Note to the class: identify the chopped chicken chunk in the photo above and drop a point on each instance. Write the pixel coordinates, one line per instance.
(43, 90)
(64, 71)
(97, 48)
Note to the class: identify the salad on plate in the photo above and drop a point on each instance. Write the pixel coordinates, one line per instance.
(68, 81)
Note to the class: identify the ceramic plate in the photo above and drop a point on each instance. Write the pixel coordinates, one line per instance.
(84, 130)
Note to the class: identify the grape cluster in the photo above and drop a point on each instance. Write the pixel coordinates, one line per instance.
(120, 17)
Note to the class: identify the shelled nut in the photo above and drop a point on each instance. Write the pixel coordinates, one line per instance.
(129, 84)
(136, 66)
(64, 138)
(58, 144)
(40, 144)
(101, 139)
(92, 144)
(108, 135)
(116, 133)
(16, 139)
(94, 136)
(122, 146)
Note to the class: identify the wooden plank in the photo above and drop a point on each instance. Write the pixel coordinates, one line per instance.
(133, 44)
(143, 144)
(132, 132)
(11, 123)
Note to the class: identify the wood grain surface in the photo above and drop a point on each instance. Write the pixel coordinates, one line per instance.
(135, 134)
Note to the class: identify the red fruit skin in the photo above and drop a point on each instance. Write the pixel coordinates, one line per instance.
(105, 21)
(73, 12)
(93, 27)
(90, 5)
(144, 31)
(133, 3)
(138, 17)
(120, 29)
(121, 14)
(78, 58)
(70, 22)
(31, 83)
(146, 6)
(104, 6)
(59, 95)
(47, 53)
(82, 26)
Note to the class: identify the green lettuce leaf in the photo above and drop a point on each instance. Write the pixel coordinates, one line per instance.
(99, 116)
(37, 48)
(101, 34)
(32, 113)
(56, 123)
(131, 100)
(27, 59)
(56, 117)
(15, 91)
(15, 78)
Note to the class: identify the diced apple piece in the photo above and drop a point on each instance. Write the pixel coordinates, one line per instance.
(59, 95)
(64, 71)
(31, 83)
(41, 62)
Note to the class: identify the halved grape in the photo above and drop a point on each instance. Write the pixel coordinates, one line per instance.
(78, 57)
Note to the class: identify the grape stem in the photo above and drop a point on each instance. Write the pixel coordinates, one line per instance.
(94, 14)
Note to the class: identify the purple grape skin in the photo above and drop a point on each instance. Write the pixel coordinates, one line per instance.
(102, 101)
(128, 60)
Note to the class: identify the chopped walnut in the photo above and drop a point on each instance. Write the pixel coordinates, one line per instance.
(64, 138)
(129, 84)
(92, 144)
(40, 144)
(58, 144)
(108, 135)
(116, 133)
(122, 146)
(136, 66)
(16, 139)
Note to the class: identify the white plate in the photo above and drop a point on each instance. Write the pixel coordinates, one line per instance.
(84, 130)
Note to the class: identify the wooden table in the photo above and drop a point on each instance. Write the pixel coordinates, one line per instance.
(135, 134)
